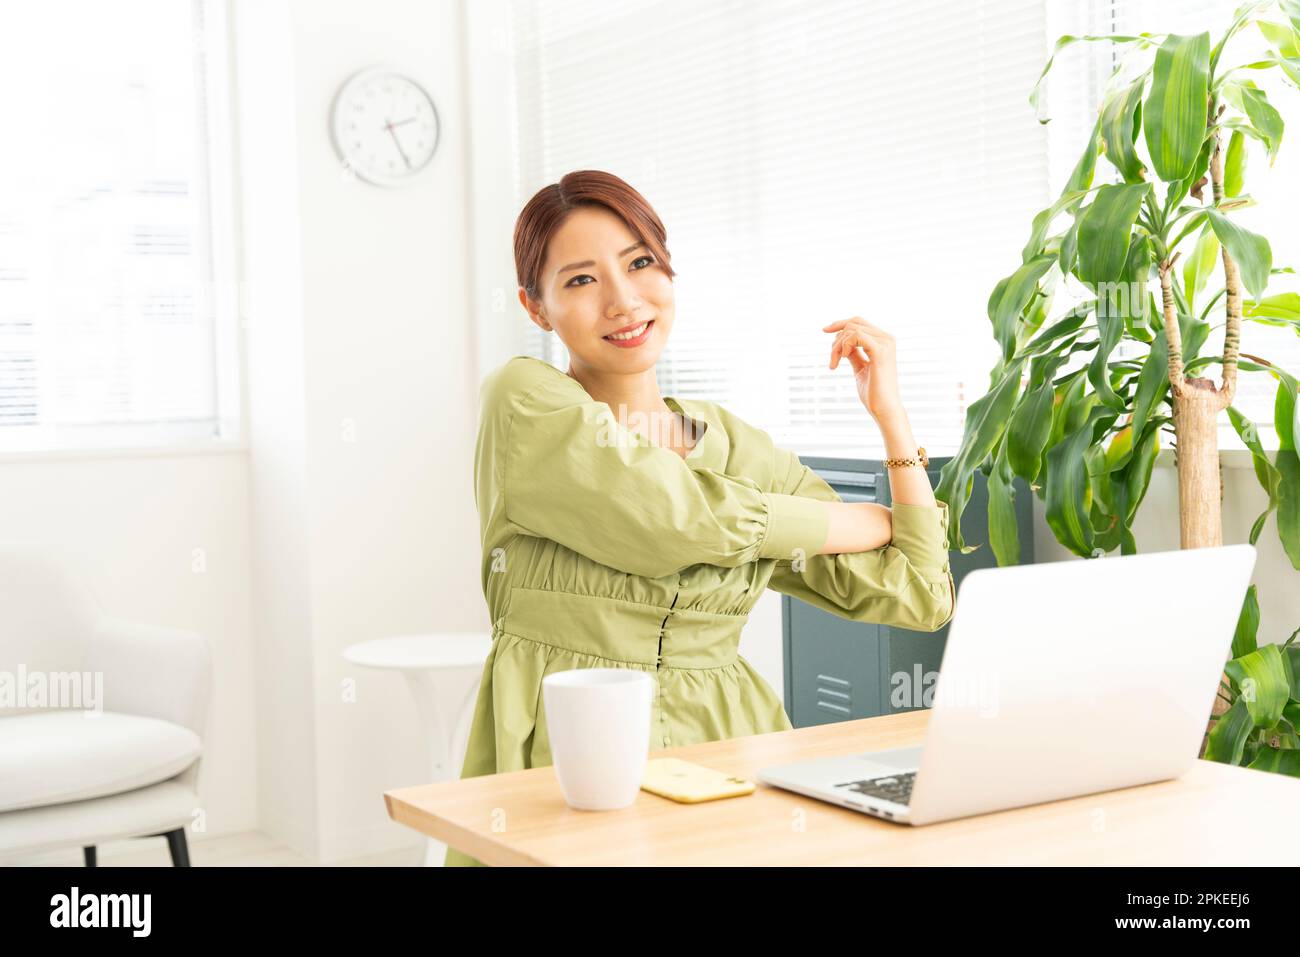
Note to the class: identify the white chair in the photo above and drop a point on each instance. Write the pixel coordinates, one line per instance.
(81, 767)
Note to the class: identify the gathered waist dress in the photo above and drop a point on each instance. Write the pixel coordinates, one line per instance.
(602, 549)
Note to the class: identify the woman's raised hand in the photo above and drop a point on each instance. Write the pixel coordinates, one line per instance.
(876, 372)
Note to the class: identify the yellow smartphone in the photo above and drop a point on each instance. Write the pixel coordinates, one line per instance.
(689, 783)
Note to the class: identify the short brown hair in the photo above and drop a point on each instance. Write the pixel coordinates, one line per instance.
(551, 205)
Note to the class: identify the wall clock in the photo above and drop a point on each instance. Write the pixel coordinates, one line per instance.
(385, 126)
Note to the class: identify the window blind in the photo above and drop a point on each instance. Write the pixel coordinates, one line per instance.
(811, 162)
(107, 310)
(814, 161)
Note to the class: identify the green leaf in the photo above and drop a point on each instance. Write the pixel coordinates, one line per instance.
(986, 418)
(1288, 504)
(1036, 94)
(1081, 177)
(1120, 449)
(1153, 381)
(1062, 328)
(1178, 190)
(1121, 118)
(1077, 407)
(1105, 525)
(1290, 67)
(1068, 485)
(1139, 268)
(1251, 251)
(1068, 255)
(1262, 682)
(1189, 227)
(1292, 9)
(1292, 655)
(1265, 471)
(1244, 639)
(1227, 739)
(1280, 36)
(1264, 118)
(1284, 306)
(1286, 419)
(1277, 760)
(1031, 423)
(1040, 304)
(1234, 167)
(1286, 411)
(1110, 321)
(1004, 531)
(1174, 117)
(1194, 335)
(1199, 266)
(1009, 298)
(1105, 230)
(1245, 127)
(1137, 473)
(1038, 230)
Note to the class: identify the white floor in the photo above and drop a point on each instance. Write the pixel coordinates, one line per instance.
(250, 849)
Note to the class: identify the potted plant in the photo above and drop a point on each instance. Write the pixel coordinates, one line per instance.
(1175, 126)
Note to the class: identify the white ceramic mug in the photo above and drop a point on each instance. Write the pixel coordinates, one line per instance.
(598, 722)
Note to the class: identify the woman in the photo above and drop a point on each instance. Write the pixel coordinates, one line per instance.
(622, 528)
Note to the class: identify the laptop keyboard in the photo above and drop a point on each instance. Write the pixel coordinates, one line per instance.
(895, 787)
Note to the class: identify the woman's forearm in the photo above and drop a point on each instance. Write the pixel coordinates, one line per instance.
(909, 485)
(857, 527)
(862, 526)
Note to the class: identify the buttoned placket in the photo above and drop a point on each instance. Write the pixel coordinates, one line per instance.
(659, 657)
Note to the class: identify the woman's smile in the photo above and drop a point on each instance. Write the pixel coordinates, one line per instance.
(632, 337)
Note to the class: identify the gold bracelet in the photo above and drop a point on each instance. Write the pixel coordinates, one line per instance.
(920, 459)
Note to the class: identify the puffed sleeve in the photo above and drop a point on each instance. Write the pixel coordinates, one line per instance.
(563, 468)
(906, 583)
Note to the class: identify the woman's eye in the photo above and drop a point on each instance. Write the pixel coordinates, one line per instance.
(649, 261)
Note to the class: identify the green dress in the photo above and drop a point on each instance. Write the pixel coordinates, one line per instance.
(602, 549)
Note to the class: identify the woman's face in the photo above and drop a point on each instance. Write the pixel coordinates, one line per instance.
(598, 280)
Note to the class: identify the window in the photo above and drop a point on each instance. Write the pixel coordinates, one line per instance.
(115, 290)
(814, 161)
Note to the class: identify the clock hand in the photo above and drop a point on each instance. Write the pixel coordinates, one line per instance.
(389, 126)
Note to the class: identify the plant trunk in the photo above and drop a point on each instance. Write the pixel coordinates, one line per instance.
(1200, 484)
(1200, 491)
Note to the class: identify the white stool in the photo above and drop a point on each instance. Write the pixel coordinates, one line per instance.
(443, 671)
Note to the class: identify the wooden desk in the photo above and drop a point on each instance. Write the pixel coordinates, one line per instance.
(520, 818)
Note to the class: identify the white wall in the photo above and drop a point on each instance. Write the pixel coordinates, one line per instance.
(362, 390)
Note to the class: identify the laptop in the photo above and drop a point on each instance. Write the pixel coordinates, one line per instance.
(1058, 680)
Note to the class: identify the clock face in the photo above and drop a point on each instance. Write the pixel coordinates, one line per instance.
(385, 127)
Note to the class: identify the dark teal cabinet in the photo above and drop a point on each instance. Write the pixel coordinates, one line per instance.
(836, 669)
